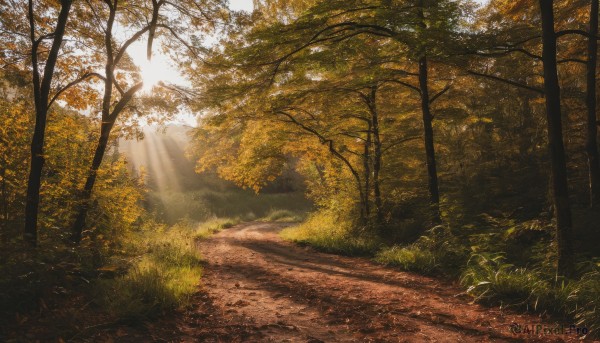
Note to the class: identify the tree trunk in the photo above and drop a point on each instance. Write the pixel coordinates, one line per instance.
(376, 156)
(434, 194)
(41, 91)
(4, 197)
(560, 191)
(525, 140)
(367, 166)
(86, 195)
(592, 131)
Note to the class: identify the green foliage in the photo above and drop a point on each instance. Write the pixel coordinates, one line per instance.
(492, 280)
(437, 252)
(587, 311)
(411, 258)
(332, 233)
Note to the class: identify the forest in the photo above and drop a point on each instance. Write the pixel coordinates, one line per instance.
(354, 170)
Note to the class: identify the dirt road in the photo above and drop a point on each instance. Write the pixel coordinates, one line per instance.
(258, 288)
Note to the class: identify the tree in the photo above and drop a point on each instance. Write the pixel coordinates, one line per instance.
(146, 21)
(41, 93)
(591, 125)
(560, 189)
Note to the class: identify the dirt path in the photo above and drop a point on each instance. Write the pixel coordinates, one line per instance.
(258, 288)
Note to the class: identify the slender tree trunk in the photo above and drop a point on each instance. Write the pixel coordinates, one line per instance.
(434, 193)
(41, 85)
(376, 156)
(91, 180)
(525, 141)
(4, 197)
(560, 191)
(367, 166)
(592, 131)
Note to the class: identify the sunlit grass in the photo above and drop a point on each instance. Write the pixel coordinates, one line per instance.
(332, 234)
(284, 216)
(163, 277)
(215, 225)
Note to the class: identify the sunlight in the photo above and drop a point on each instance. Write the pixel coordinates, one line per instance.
(151, 74)
(241, 5)
(159, 69)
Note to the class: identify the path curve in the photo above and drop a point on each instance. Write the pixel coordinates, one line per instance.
(258, 288)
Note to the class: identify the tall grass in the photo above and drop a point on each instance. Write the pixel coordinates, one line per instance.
(162, 275)
(214, 225)
(492, 280)
(332, 233)
(437, 252)
(285, 216)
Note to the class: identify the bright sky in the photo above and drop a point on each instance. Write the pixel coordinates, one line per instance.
(241, 5)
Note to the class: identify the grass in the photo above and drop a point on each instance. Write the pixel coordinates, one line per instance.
(284, 216)
(410, 258)
(162, 276)
(490, 279)
(332, 234)
(214, 225)
(436, 252)
(486, 276)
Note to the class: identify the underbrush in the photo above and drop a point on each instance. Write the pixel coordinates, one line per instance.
(504, 264)
(494, 281)
(333, 234)
(437, 252)
(162, 269)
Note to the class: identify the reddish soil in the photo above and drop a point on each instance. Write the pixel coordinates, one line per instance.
(258, 288)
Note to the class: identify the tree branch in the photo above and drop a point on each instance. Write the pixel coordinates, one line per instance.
(510, 82)
(124, 100)
(440, 93)
(73, 83)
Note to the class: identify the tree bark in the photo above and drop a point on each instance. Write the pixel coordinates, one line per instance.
(434, 193)
(367, 166)
(560, 191)
(86, 194)
(41, 91)
(376, 155)
(592, 131)
(432, 177)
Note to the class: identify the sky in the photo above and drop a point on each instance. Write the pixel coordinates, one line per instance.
(241, 5)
